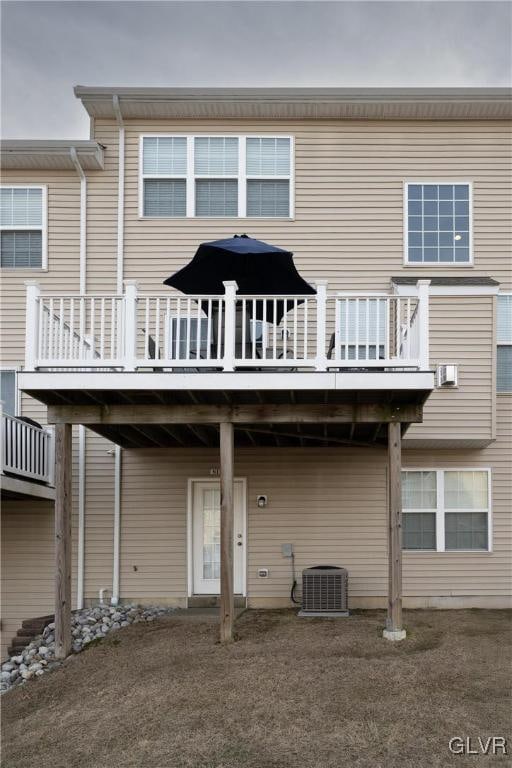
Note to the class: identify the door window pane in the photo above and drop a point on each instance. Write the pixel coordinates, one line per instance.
(211, 534)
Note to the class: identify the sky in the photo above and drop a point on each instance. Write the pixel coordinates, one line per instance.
(48, 47)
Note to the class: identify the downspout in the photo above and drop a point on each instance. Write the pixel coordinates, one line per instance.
(119, 287)
(117, 525)
(120, 195)
(81, 428)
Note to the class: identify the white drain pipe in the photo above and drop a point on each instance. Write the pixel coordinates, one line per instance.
(120, 274)
(81, 428)
(117, 526)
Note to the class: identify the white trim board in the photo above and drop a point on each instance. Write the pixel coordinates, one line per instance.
(448, 290)
(405, 380)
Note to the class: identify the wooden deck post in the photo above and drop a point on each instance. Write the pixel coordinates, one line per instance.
(227, 511)
(394, 630)
(63, 469)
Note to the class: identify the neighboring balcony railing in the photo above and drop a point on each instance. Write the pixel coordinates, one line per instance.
(27, 451)
(173, 332)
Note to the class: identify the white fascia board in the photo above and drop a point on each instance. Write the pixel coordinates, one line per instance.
(448, 290)
(411, 380)
(26, 488)
(138, 381)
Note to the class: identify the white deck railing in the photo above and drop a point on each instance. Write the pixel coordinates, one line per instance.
(26, 450)
(227, 332)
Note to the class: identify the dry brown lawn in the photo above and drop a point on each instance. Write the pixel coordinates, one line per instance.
(290, 693)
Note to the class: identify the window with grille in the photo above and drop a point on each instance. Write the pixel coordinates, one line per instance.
(446, 510)
(216, 176)
(504, 341)
(438, 223)
(22, 227)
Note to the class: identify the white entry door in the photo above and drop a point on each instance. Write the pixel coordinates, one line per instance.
(206, 537)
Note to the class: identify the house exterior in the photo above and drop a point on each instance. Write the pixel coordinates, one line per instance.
(396, 205)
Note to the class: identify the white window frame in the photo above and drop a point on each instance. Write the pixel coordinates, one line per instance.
(241, 178)
(17, 396)
(441, 512)
(43, 227)
(498, 344)
(430, 264)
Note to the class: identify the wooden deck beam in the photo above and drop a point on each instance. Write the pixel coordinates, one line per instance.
(227, 515)
(361, 413)
(63, 502)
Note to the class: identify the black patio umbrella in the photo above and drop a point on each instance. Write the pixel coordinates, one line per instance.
(258, 268)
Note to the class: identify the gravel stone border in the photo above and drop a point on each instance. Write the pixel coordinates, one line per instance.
(88, 625)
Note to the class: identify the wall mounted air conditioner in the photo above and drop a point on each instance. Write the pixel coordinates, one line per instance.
(324, 591)
(447, 376)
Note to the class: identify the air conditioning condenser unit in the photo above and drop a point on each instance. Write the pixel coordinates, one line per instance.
(324, 591)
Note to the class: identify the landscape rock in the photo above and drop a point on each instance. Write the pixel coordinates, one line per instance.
(88, 625)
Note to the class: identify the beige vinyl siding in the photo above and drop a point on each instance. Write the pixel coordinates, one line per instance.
(63, 257)
(461, 333)
(102, 195)
(99, 516)
(27, 564)
(330, 503)
(348, 223)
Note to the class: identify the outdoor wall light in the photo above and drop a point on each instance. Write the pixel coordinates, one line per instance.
(261, 501)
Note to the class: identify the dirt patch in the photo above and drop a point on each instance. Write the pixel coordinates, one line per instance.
(290, 693)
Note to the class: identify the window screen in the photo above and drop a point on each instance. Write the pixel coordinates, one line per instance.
(8, 392)
(504, 339)
(216, 156)
(216, 197)
(165, 198)
(165, 155)
(22, 248)
(268, 198)
(268, 157)
(21, 225)
(419, 492)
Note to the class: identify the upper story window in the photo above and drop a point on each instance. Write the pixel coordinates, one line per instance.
(438, 225)
(216, 176)
(446, 510)
(23, 227)
(504, 341)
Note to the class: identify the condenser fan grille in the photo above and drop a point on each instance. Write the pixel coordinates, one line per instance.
(324, 590)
